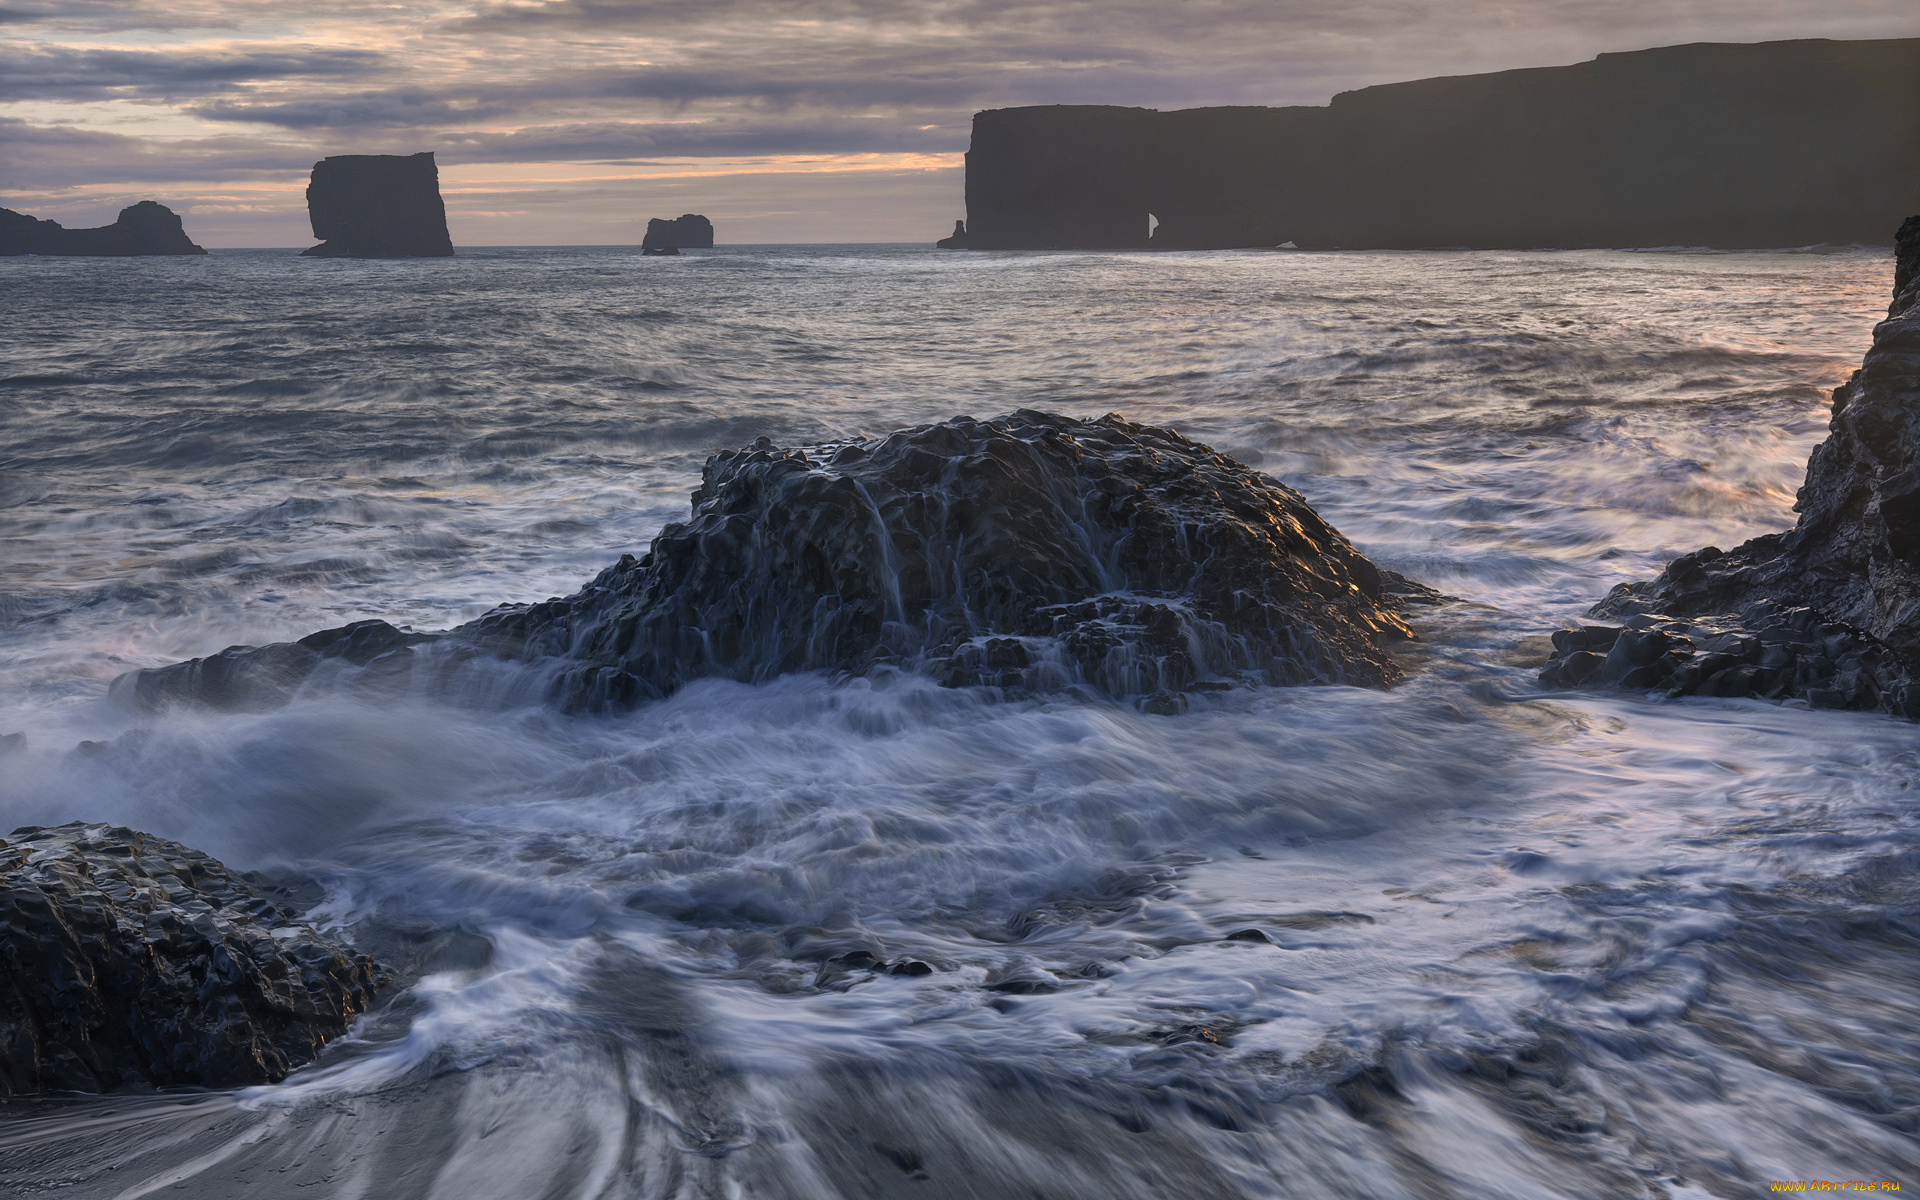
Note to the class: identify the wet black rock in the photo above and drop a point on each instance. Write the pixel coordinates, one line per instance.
(1844, 581)
(1765, 651)
(127, 960)
(690, 231)
(1032, 551)
(377, 206)
(146, 228)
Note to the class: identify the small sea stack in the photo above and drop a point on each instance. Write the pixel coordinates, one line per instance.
(1828, 611)
(957, 240)
(689, 231)
(1032, 552)
(146, 228)
(130, 961)
(377, 206)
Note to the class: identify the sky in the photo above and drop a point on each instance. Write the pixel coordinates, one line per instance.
(570, 122)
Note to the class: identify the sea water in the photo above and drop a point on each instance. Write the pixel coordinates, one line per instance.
(1518, 943)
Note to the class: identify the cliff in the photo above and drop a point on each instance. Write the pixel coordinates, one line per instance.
(377, 206)
(690, 231)
(143, 228)
(1828, 611)
(1774, 144)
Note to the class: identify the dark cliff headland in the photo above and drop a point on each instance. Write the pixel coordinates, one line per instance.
(141, 229)
(1775, 144)
(377, 206)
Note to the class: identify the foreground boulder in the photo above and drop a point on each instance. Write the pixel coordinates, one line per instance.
(690, 231)
(377, 206)
(127, 960)
(141, 229)
(1031, 551)
(1841, 588)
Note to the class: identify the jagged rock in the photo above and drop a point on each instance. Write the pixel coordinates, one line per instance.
(141, 229)
(690, 231)
(1031, 551)
(957, 240)
(127, 960)
(1850, 567)
(377, 206)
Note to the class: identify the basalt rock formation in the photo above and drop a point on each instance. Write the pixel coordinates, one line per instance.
(691, 231)
(1774, 144)
(127, 960)
(1031, 551)
(1828, 611)
(141, 229)
(377, 206)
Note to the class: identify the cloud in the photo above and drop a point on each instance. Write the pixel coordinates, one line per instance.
(650, 141)
(368, 110)
(55, 158)
(65, 73)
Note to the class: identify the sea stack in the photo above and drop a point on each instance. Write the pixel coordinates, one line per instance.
(1828, 611)
(142, 229)
(690, 231)
(377, 206)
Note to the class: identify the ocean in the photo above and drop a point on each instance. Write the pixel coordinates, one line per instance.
(1521, 943)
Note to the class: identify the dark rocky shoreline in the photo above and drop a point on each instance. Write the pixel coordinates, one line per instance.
(1827, 612)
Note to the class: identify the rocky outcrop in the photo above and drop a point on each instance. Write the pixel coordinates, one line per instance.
(690, 231)
(377, 206)
(1844, 581)
(1774, 144)
(957, 240)
(127, 960)
(1032, 551)
(141, 229)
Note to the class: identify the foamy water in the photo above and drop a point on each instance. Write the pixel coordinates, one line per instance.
(1518, 943)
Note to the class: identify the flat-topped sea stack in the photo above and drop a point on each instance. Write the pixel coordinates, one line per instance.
(1828, 611)
(1034, 552)
(130, 961)
(141, 229)
(1774, 144)
(689, 231)
(377, 206)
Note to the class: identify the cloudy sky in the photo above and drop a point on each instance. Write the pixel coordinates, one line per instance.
(573, 121)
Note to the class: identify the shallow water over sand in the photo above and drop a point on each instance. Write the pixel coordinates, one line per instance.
(1519, 943)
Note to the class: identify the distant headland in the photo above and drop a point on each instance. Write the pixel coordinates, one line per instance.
(143, 228)
(1773, 144)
